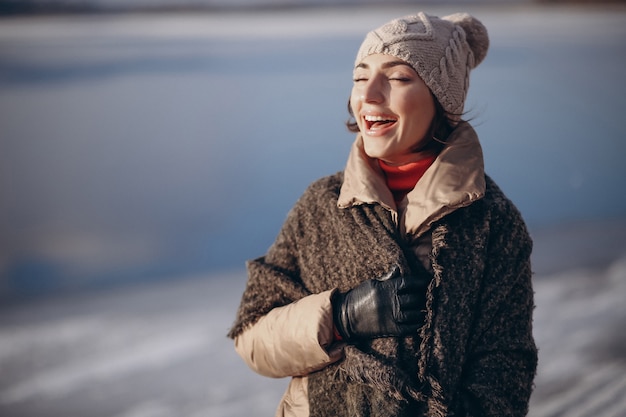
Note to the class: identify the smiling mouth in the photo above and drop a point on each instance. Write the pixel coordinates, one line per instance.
(378, 122)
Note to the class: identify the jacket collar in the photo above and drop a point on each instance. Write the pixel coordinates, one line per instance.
(456, 179)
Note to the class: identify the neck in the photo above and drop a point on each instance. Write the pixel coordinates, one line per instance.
(427, 152)
(403, 162)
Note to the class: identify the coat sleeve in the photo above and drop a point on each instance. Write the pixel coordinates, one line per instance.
(292, 340)
(273, 279)
(283, 327)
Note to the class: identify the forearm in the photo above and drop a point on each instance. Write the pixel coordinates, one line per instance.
(292, 340)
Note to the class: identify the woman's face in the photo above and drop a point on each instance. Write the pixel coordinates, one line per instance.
(393, 108)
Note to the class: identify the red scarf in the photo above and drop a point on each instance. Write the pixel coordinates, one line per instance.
(402, 179)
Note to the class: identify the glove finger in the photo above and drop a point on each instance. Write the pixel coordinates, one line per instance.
(412, 284)
(411, 317)
(411, 301)
(405, 329)
(412, 313)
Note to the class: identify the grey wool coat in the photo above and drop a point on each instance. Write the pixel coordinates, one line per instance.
(475, 354)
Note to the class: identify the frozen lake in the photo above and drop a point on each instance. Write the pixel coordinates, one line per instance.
(143, 146)
(136, 148)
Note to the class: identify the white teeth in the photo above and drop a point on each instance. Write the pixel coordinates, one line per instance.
(371, 118)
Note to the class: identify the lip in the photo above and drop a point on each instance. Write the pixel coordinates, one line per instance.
(372, 122)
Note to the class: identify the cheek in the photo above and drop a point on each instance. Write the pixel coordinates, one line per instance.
(428, 103)
(354, 100)
(355, 106)
(423, 109)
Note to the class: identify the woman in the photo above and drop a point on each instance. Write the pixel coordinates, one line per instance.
(402, 285)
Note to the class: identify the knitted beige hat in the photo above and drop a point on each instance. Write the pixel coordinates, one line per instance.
(441, 50)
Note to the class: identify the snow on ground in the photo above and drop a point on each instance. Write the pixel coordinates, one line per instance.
(579, 329)
(150, 350)
(156, 350)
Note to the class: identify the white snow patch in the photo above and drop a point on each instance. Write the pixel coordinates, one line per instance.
(156, 351)
(148, 409)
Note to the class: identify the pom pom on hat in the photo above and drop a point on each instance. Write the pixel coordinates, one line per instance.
(441, 50)
(475, 34)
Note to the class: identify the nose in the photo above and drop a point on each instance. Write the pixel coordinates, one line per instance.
(373, 91)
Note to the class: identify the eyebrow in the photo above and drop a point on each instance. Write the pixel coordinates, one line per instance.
(386, 65)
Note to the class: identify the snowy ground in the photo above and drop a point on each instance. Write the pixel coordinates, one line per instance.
(160, 350)
(580, 288)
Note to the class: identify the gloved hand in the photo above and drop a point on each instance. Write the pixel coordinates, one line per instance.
(389, 306)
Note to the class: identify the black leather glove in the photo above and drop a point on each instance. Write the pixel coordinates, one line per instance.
(389, 306)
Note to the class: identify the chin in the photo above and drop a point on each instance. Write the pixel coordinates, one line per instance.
(374, 151)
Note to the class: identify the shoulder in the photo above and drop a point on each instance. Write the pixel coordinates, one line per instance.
(498, 204)
(494, 217)
(505, 219)
(318, 201)
(322, 191)
(328, 184)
